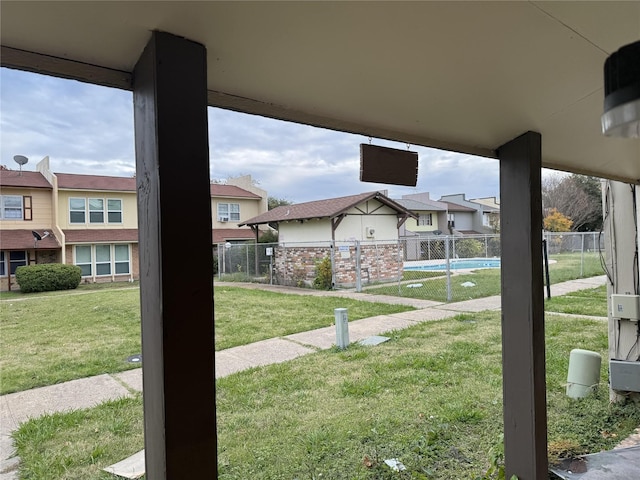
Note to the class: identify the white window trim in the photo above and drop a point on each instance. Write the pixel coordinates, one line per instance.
(120, 211)
(112, 260)
(228, 216)
(3, 207)
(95, 211)
(85, 211)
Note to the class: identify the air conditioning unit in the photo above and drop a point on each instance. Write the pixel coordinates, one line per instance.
(223, 219)
(370, 232)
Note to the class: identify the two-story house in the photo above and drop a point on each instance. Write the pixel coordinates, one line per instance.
(92, 221)
(233, 202)
(26, 214)
(467, 217)
(99, 222)
(431, 215)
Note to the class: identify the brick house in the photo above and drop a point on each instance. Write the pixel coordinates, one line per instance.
(356, 231)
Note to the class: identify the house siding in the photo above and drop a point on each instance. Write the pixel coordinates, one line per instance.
(129, 209)
(41, 209)
(248, 208)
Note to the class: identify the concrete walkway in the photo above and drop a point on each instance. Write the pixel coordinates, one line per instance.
(18, 407)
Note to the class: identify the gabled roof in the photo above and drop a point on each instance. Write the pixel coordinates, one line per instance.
(15, 178)
(416, 206)
(221, 190)
(329, 208)
(74, 181)
(23, 240)
(102, 235)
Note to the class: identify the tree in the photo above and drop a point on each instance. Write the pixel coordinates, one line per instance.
(273, 202)
(557, 222)
(268, 236)
(575, 196)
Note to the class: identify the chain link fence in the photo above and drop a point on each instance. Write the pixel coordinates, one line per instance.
(440, 268)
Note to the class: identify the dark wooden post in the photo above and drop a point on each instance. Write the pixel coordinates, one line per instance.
(523, 343)
(176, 264)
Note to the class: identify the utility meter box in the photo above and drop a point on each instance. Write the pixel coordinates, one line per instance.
(625, 306)
(624, 376)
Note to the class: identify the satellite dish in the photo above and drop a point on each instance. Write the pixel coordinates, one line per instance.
(36, 235)
(20, 160)
(437, 232)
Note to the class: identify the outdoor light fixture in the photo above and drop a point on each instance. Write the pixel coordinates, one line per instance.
(621, 116)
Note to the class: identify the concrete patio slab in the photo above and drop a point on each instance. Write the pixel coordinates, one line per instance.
(617, 464)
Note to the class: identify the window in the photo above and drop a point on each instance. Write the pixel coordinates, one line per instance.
(77, 210)
(228, 212)
(451, 218)
(103, 259)
(121, 256)
(424, 219)
(3, 267)
(114, 210)
(83, 259)
(17, 259)
(11, 207)
(96, 210)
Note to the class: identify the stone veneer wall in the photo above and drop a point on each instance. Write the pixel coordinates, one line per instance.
(296, 265)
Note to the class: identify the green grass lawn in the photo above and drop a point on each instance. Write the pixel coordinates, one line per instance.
(246, 316)
(51, 338)
(591, 301)
(430, 397)
(486, 282)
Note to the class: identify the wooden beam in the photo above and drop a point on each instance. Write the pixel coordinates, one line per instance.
(174, 213)
(64, 68)
(523, 343)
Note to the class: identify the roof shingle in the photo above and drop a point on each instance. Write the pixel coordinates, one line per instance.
(13, 178)
(96, 182)
(327, 208)
(220, 235)
(220, 190)
(101, 235)
(24, 240)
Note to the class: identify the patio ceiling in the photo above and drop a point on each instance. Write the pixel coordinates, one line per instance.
(463, 76)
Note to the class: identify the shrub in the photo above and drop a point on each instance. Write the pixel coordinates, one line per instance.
(469, 248)
(47, 277)
(323, 280)
(215, 264)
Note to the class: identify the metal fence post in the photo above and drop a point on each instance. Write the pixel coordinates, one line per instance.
(333, 264)
(358, 268)
(446, 254)
(582, 256)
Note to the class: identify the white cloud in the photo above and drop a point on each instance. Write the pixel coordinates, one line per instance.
(89, 129)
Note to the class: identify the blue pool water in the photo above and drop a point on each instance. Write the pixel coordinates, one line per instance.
(459, 264)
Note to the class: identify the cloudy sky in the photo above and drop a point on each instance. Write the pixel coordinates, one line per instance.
(88, 129)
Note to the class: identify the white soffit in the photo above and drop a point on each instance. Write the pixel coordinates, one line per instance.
(466, 76)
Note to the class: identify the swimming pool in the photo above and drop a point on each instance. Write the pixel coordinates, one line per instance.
(456, 264)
